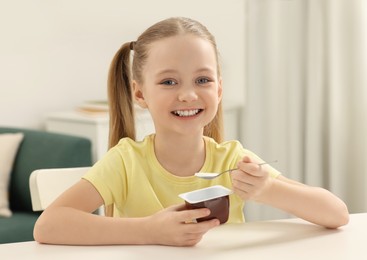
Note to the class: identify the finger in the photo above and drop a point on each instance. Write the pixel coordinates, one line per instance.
(242, 194)
(246, 159)
(200, 228)
(177, 207)
(192, 242)
(251, 168)
(243, 183)
(249, 159)
(193, 214)
(245, 186)
(203, 226)
(243, 190)
(246, 178)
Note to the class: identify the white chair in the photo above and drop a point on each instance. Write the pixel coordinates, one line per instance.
(47, 184)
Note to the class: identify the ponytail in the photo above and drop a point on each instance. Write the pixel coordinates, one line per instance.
(120, 100)
(215, 128)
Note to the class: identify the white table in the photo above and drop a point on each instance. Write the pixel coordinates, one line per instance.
(279, 239)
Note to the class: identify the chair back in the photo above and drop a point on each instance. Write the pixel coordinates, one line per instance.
(47, 184)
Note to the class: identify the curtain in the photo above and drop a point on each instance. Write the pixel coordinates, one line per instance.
(306, 95)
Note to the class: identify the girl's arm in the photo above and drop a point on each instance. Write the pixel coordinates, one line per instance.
(313, 204)
(69, 220)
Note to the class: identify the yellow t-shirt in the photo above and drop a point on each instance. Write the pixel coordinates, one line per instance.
(130, 177)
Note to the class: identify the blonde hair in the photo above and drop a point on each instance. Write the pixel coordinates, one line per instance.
(120, 97)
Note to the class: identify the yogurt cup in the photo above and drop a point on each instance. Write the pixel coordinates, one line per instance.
(215, 198)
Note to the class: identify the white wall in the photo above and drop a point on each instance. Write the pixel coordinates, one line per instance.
(54, 55)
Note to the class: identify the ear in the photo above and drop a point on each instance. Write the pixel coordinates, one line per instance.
(138, 95)
(220, 90)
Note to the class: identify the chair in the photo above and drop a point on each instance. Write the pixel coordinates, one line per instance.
(47, 184)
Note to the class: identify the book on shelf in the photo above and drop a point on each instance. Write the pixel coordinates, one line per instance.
(100, 108)
(94, 108)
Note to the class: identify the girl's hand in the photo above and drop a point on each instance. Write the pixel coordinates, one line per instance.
(251, 180)
(174, 226)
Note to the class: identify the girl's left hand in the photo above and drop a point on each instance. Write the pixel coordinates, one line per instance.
(251, 180)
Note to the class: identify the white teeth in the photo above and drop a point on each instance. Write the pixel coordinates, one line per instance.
(186, 112)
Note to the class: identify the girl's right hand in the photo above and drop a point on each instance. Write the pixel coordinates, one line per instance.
(174, 226)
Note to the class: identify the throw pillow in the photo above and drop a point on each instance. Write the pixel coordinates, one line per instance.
(9, 144)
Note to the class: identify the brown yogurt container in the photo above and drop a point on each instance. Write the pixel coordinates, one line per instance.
(215, 198)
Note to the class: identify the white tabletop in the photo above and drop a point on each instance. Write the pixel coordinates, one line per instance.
(278, 239)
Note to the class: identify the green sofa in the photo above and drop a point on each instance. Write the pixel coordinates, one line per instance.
(38, 150)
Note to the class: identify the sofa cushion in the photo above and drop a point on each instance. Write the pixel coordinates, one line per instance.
(41, 150)
(9, 144)
(18, 228)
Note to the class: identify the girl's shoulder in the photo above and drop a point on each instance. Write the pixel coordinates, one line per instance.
(234, 147)
(127, 148)
(128, 143)
(226, 145)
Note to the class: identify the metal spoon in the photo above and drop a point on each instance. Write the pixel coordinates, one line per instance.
(212, 175)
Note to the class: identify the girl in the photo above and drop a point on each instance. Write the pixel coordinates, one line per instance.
(176, 75)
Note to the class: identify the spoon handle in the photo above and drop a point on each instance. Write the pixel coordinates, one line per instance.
(263, 163)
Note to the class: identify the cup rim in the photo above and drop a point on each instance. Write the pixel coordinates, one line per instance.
(188, 196)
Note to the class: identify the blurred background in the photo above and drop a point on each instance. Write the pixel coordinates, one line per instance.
(306, 93)
(296, 68)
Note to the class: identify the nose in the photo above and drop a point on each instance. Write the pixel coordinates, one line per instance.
(187, 94)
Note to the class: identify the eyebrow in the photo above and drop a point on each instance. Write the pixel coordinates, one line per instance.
(207, 69)
(166, 71)
(204, 69)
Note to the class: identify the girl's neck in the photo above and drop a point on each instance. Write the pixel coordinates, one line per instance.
(180, 155)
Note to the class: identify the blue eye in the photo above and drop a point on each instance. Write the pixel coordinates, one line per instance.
(202, 80)
(169, 82)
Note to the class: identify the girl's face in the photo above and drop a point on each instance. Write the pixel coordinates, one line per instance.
(181, 87)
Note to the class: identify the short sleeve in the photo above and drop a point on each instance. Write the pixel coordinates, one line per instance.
(109, 178)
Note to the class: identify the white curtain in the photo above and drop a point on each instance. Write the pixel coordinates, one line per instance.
(306, 99)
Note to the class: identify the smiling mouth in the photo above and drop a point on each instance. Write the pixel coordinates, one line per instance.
(186, 113)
